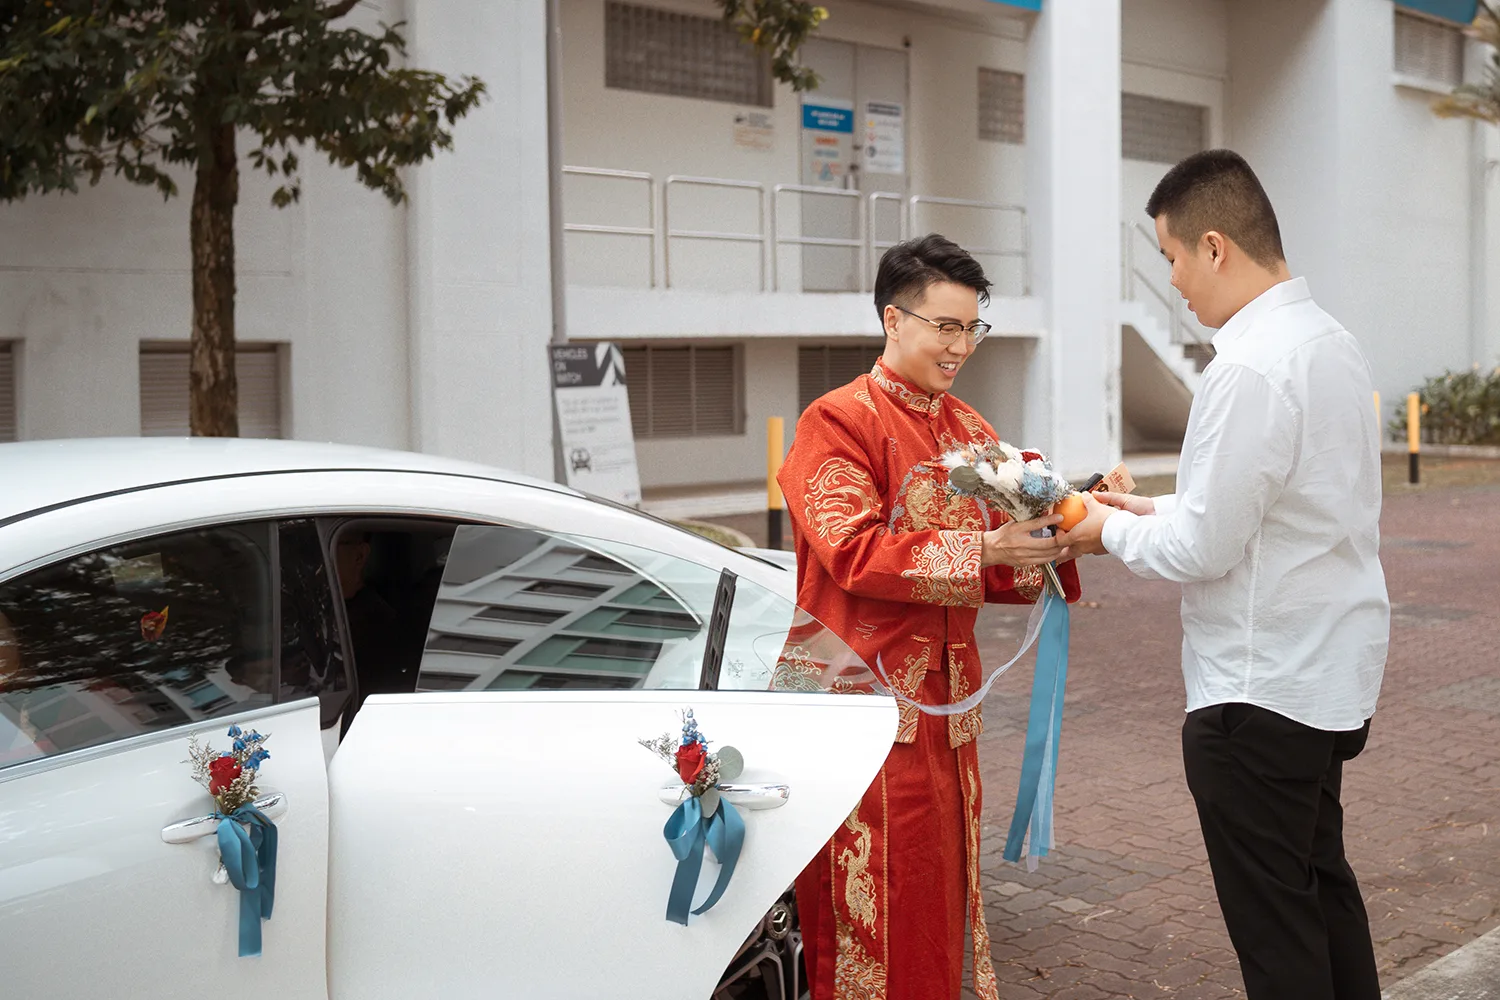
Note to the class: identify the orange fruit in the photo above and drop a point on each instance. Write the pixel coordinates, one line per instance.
(1072, 509)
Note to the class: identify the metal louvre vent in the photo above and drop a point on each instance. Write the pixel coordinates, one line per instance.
(1428, 50)
(1002, 106)
(164, 391)
(7, 392)
(664, 52)
(1159, 130)
(823, 369)
(684, 391)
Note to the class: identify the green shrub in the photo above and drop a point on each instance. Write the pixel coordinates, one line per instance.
(1457, 408)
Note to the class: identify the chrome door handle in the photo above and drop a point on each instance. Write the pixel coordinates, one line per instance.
(742, 796)
(188, 830)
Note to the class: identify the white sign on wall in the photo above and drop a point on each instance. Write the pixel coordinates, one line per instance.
(884, 138)
(593, 419)
(754, 130)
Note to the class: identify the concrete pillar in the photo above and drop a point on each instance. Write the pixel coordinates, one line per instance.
(1073, 185)
(478, 271)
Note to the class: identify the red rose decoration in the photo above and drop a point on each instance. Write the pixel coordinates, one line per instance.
(153, 624)
(690, 762)
(1031, 456)
(221, 774)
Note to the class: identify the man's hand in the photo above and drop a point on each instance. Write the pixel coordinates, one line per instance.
(1012, 545)
(1086, 538)
(1142, 506)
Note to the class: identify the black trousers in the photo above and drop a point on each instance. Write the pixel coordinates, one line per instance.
(1267, 791)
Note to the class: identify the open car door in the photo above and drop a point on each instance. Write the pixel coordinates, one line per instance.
(502, 835)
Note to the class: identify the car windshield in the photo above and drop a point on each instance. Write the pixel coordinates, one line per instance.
(525, 610)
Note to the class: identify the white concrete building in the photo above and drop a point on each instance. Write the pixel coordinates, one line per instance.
(724, 229)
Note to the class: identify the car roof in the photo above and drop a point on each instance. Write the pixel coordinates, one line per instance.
(42, 475)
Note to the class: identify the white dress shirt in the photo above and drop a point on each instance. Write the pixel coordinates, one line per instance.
(1274, 531)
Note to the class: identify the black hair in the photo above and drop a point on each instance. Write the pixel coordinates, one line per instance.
(1217, 190)
(906, 270)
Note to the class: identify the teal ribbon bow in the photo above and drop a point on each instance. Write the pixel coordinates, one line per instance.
(249, 857)
(686, 832)
(1043, 734)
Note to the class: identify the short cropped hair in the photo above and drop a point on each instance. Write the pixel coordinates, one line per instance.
(1217, 190)
(906, 270)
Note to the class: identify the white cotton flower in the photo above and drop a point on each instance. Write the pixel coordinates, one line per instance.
(1011, 454)
(1006, 478)
(1038, 467)
(954, 459)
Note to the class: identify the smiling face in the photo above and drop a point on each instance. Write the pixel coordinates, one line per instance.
(912, 347)
(1196, 274)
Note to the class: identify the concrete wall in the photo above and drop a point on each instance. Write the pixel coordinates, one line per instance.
(1372, 191)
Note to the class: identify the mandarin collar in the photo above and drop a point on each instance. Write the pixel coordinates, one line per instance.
(909, 395)
(1280, 294)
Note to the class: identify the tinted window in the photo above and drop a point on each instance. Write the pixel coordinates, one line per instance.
(312, 656)
(525, 610)
(134, 638)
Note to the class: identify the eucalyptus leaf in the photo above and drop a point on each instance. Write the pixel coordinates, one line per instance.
(731, 763)
(965, 478)
(709, 801)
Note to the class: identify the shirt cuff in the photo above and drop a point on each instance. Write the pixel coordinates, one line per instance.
(1165, 504)
(1116, 528)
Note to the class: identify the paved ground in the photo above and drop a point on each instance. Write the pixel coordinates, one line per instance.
(1125, 908)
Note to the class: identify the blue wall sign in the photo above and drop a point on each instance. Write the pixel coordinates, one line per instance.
(823, 118)
(1458, 11)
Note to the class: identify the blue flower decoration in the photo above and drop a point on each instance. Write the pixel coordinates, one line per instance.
(239, 744)
(234, 731)
(226, 753)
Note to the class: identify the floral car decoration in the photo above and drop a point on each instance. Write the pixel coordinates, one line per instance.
(704, 817)
(246, 836)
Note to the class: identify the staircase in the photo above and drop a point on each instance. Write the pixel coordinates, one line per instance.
(1163, 350)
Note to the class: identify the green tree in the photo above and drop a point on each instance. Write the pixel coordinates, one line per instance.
(778, 28)
(1479, 100)
(143, 89)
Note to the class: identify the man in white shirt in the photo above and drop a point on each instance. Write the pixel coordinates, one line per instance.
(1274, 535)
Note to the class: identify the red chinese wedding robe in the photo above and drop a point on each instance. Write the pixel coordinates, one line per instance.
(889, 560)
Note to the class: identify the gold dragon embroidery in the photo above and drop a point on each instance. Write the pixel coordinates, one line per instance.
(986, 986)
(921, 402)
(859, 884)
(840, 498)
(947, 571)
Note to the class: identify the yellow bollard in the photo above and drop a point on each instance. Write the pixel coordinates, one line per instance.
(775, 502)
(1414, 436)
(1377, 415)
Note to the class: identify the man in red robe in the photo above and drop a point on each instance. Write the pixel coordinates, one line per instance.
(898, 566)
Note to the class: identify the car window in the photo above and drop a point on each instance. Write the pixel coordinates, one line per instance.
(519, 609)
(136, 637)
(312, 655)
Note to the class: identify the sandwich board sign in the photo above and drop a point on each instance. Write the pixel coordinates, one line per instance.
(593, 421)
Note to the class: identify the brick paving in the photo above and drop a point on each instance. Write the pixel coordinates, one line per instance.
(1125, 906)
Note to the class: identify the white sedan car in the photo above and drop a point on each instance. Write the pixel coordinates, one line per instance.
(454, 666)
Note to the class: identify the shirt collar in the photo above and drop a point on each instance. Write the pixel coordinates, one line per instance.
(1280, 294)
(912, 397)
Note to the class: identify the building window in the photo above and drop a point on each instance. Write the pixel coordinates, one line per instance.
(1002, 106)
(164, 390)
(664, 52)
(1161, 131)
(7, 392)
(823, 369)
(1428, 53)
(685, 391)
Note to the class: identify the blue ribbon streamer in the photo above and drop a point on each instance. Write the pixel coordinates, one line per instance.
(687, 832)
(250, 859)
(1043, 734)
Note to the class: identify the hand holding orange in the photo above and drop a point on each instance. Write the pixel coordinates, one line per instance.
(1072, 509)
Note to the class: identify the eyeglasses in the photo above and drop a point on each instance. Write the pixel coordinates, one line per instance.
(948, 332)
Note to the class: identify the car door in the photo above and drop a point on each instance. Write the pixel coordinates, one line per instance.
(500, 832)
(110, 660)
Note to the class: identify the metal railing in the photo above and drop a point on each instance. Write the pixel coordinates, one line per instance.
(857, 243)
(1134, 280)
(669, 234)
(773, 236)
(647, 231)
(1024, 253)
